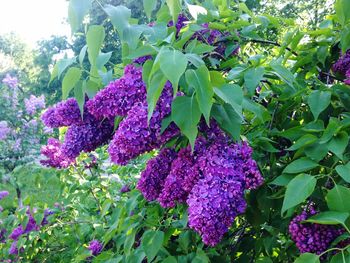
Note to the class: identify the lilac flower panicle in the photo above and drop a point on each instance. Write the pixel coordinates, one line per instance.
(181, 23)
(142, 60)
(12, 82)
(3, 194)
(343, 63)
(4, 130)
(34, 103)
(95, 247)
(214, 202)
(120, 95)
(65, 113)
(184, 173)
(152, 178)
(136, 135)
(16, 233)
(347, 75)
(55, 157)
(13, 249)
(86, 138)
(125, 189)
(311, 237)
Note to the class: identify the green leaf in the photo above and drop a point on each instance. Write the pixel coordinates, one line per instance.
(228, 119)
(175, 7)
(146, 70)
(252, 78)
(342, 10)
(94, 39)
(149, 6)
(332, 128)
(344, 171)
(283, 73)
(298, 189)
(63, 64)
(102, 59)
(196, 60)
(196, 10)
(338, 198)
(186, 114)
(70, 80)
(283, 179)
(300, 165)
(345, 39)
(338, 144)
(82, 54)
(154, 90)
(173, 63)
(318, 101)
(169, 259)
(185, 240)
(77, 10)
(231, 94)
(236, 72)
(316, 151)
(329, 218)
(306, 140)
(200, 80)
(131, 35)
(151, 243)
(307, 258)
(119, 16)
(79, 94)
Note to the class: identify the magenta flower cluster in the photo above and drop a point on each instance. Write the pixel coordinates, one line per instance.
(211, 179)
(95, 247)
(84, 134)
(65, 113)
(10, 81)
(342, 66)
(31, 226)
(120, 95)
(3, 194)
(34, 103)
(153, 177)
(136, 135)
(4, 130)
(55, 157)
(311, 237)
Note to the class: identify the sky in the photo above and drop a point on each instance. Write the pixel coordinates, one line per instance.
(33, 20)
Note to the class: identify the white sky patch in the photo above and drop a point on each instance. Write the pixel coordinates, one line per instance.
(33, 20)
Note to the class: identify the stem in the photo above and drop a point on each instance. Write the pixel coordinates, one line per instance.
(268, 42)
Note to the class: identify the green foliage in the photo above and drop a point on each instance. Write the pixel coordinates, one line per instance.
(278, 92)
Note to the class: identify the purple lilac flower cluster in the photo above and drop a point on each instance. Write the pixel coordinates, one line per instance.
(136, 135)
(31, 226)
(54, 154)
(183, 175)
(211, 179)
(120, 95)
(4, 130)
(83, 134)
(34, 103)
(311, 237)
(181, 23)
(12, 82)
(342, 66)
(153, 177)
(65, 113)
(95, 247)
(3, 194)
(86, 138)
